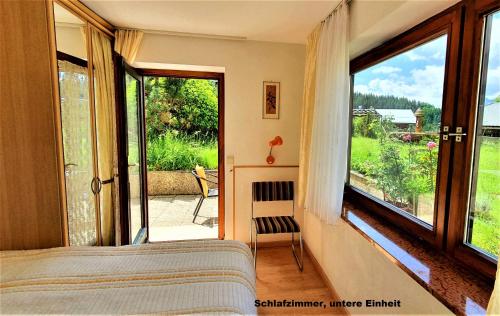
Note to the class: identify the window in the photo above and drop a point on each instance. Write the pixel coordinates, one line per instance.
(483, 218)
(425, 132)
(396, 120)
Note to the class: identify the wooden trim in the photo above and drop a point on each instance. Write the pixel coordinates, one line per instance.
(72, 59)
(82, 11)
(221, 156)
(57, 121)
(425, 31)
(317, 266)
(181, 74)
(235, 167)
(264, 166)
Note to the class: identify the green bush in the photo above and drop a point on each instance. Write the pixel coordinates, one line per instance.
(188, 107)
(171, 152)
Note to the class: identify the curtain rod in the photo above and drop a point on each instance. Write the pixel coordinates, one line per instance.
(335, 9)
(186, 34)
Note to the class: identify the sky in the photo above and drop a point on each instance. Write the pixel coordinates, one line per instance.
(418, 74)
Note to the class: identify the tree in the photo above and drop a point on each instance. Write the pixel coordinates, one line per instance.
(432, 114)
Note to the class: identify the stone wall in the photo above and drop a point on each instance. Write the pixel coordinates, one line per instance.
(170, 183)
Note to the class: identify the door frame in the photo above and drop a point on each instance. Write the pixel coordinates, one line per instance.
(121, 68)
(219, 76)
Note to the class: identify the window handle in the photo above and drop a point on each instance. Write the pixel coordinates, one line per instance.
(458, 133)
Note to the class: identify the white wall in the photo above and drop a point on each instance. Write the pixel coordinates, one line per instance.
(359, 271)
(247, 64)
(70, 40)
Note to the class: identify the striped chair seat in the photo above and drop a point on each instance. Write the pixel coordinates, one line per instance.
(276, 225)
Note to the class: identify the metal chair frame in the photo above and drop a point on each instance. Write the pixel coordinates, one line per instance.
(253, 245)
(202, 197)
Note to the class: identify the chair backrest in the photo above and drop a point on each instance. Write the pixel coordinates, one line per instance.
(201, 177)
(273, 191)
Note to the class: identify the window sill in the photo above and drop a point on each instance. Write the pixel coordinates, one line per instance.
(462, 291)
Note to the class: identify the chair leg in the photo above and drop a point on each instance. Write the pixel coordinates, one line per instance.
(300, 262)
(255, 252)
(197, 209)
(198, 205)
(253, 245)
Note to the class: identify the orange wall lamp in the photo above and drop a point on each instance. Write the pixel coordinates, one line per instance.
(277, 141)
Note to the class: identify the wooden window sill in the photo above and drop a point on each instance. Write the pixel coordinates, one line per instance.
(461, 290)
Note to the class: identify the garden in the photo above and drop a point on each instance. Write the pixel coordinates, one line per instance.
(399, 166)
(181, 123)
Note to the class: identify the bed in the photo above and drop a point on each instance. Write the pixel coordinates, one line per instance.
(173, 277)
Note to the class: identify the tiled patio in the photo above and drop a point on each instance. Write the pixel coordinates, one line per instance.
(171, 216)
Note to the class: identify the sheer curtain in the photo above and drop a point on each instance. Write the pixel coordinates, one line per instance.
(127, 43)
(105, 121)
(307, 111)
(330, 124)
(77, 138)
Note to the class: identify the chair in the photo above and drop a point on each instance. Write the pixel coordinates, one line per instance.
(201, 178)
(275, 191)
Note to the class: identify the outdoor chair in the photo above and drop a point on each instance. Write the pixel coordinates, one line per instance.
(205, 192)
(275, 191)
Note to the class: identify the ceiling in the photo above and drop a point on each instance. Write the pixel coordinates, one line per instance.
(274, 21)
(372, 21)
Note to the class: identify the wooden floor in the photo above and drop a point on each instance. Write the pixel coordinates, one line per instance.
(279, 278)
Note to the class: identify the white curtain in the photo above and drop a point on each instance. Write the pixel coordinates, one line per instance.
(77, 139)
(494, 304)
(329, 137)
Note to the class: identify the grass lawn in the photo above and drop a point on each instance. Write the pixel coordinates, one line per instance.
(171, 152)
(486, 229)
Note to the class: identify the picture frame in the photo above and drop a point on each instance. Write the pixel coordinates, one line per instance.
(271, 100)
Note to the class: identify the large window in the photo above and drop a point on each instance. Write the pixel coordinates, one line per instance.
(396, 120)
(425, 128)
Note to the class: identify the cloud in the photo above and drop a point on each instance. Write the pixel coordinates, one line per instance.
(424, 84)
(412, 56)
(386, 70)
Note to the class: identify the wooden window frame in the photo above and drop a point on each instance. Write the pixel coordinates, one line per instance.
(447, 22)
(463, 23)
(470, 76)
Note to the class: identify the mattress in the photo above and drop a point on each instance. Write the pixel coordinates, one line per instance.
(209, 277)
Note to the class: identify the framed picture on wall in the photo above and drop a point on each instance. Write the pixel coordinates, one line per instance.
(271, 100)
